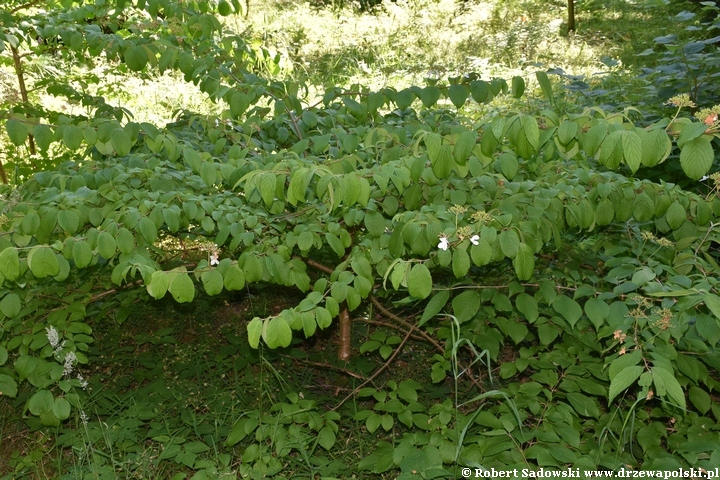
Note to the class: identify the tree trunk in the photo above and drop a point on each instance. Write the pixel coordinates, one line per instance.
(571, 15)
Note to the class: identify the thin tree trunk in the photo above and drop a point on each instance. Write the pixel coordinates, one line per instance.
(23, 90)
(571, 15)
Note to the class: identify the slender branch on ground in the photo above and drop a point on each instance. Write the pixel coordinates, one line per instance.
(378, 371)
(327, 365)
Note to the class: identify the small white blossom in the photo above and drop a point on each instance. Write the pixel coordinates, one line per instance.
(83, 417)
(443, 245)
(70, 359)
(475, 239)
(214, 259)
(53, 337)
(83, 382)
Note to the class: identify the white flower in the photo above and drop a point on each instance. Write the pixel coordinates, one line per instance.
(475, 239)
(83, 417)
(443, 245)
(53, 337)
(214, 259)
(70, 359)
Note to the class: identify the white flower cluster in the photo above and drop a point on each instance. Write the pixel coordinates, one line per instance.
(445, 243)
(70, 358)
(54, 339)
(214, 253)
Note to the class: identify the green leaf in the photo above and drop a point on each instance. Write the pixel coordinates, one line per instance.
(42, 262)
(125, 241)
(148, 230)
(419, 281)
(509, 242)
(61, 408)
(434, 306)
(466, 305)
(518, 87)
(622, 380)
(524, 262)
(568, 308)
(696, 157)
(508, 165)
(584, 404)
(700, 398)
(713, 303)
(208, 172)
(442, 162)
(267, 187)
(41, 402)
(181, 287)
(69, 221)
(136, 58)
(464, 146)
(667, 385)
(106, 245)
(234, 278)
(632, 149)
(545, 85)
(527, 305)
(43, 136)
(72, 137)
(158, 285)
(429, 96)
(374, 223)
(323, 317)
(120, 142)
(481, 253)
(254, 329)
(460, 263)
(277, 333)
(597, 311)
(10, 263)
(212, 281)
(624, 361)
(675, 215)
(8, 386)
(10, 305)
(17, 131)
(82, 254)
(458, 95)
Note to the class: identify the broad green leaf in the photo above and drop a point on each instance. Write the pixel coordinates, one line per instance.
(643, 208)
(17, 131)
(309, 324)
(209, 174)
(419, 281)
(656, 147)
(10, 264)
(524, 262)
(622, 380)
(508, 165)
(404, 98)
(464, 146)
(158, 285)
(518, 87)
(212, 281)
(323, 317)
(460, 262)
(429, 96)
(148, 230)
(481, 253)
(527, 305)
(68, 221)
(8, 386)
(675, 215)
(120, 142)
(509, 242)
(181, 287)
(72, 137)
(624, 361)
(61, 408)
(458, 95)
(233, 278)
(277, 333)
(255, 329)
(10, 305)
(434, 306)
(106, 245)
(568, 308)
(567, 131)
(713, 303)
(700, 399)
(632, 149)
(666, 385)
(374, 223)
(466, 305)
(267, 188)
(696, 157)
(43, 136)
(584, 405)
(125, 241)
(42, 262)
(597, 311)
(136, 57)
(442, 163)
(545, 85)
(41, 402)
(82, 254)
